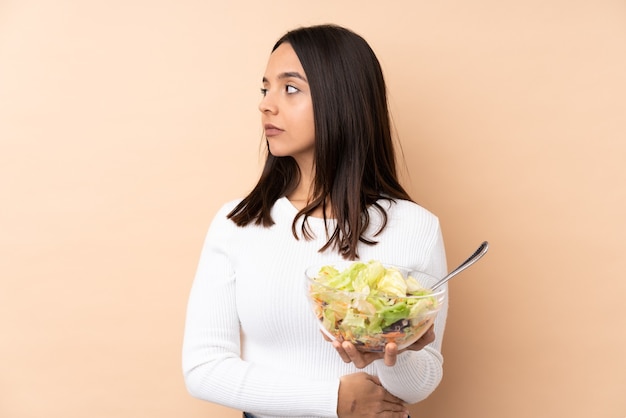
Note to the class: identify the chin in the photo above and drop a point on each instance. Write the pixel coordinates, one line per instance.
(278, 152)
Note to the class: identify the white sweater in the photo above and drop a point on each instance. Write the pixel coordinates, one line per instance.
(251, 340)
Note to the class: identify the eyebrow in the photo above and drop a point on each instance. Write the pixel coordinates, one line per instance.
(288, 74)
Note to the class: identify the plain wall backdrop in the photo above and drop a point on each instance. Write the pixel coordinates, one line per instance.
(124, 125)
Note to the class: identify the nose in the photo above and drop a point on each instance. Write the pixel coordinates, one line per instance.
(267, 105)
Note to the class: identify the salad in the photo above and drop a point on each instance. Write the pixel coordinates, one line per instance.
(371, 305)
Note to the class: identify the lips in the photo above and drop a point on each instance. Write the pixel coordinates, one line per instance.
(271, 130)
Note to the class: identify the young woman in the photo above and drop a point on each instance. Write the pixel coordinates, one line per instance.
(328, 191)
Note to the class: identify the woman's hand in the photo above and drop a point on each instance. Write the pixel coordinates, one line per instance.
(350, 354)
(361, 395)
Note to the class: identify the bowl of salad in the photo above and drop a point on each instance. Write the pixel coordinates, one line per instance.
(371, 304)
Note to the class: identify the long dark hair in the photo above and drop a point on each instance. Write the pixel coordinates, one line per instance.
(355, 162)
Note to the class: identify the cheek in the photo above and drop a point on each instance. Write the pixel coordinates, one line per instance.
(308, 131)
(308, 121)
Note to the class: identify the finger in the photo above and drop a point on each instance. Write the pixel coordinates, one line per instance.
(428, 337)
(342, 353)
(387, 396)
(424, 340)
(391, 399)
(430, 334)
(359, 359)
(391, 354)
(353, 354)
(326, 337)
(394, 410)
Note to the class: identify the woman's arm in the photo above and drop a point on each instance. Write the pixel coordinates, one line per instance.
(212, 365)
(414, 373)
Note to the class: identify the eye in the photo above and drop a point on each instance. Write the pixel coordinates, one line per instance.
(291, 89)
(263, 91)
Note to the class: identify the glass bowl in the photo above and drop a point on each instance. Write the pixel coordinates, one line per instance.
(371, 304)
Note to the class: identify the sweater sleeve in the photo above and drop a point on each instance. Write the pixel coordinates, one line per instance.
(212, 365)
(417, 374)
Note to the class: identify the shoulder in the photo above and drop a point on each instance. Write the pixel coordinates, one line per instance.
(220, 221)
(282, 211)
(411, 236)
(406, 217)
(227, 207)
(405, 211)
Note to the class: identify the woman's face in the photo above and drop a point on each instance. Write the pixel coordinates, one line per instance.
(287, 108)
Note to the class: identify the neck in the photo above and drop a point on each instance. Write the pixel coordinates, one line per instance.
(302, 195)
(304, 190)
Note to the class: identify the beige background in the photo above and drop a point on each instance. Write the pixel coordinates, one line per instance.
(124, 125)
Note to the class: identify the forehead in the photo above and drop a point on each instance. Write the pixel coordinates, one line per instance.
(283, 60)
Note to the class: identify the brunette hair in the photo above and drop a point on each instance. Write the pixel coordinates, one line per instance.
(355, 162)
